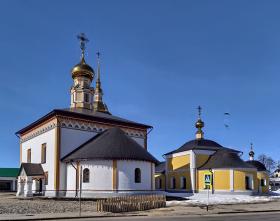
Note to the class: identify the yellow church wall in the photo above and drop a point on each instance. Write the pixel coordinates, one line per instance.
(162, 178)
(239, 179)
(201, 159)
(179, 162)
(200, 179)
(221, 180)
(263, 175)
(177, 176)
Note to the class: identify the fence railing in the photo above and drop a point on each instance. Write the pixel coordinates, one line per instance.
(131, 203)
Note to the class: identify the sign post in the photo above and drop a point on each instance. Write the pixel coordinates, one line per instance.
(208, 185)
(80, 196)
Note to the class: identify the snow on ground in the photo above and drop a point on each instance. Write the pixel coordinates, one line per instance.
(201, 199)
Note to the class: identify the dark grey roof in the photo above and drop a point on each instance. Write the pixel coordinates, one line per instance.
(225, 159)
(160, 168)
(85, 114)
(102, 115)
(110, 144)
(257, 164)
(201, 144)
(32, 169)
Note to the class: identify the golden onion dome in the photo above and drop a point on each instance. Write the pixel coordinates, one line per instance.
(199, 124)
(82, 69)
(251, 153)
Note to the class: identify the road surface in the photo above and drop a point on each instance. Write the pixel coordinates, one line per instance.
(225, 217)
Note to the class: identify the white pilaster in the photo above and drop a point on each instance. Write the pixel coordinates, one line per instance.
(231, 174)
(193, 171)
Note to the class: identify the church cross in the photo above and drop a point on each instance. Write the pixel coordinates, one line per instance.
(199, 111)
(83, 40)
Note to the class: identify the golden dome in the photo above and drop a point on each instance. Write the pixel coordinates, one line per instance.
(199, 124)
(82, 69)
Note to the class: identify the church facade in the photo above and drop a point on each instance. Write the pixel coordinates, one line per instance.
(200, 165)
(84, 146)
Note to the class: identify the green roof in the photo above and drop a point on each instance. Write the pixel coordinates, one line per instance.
(9, 172)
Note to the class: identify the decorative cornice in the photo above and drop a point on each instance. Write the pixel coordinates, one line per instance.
(76, 124)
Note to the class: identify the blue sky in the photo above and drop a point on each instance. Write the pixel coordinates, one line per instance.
(160, 60)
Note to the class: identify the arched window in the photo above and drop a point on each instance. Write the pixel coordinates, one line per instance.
(173, 183)
(159, 183)
(86, 175)
(183, 182)
(137, 175)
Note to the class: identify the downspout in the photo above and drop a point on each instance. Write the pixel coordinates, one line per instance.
(76, 182)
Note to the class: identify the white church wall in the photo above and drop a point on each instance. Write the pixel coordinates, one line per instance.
(126, 170)
(71, 178)
(100, 175)
(72, 138)
(35, 145)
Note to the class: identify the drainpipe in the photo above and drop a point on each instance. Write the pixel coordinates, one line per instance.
(77, 176)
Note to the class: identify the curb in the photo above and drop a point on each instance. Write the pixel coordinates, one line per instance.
(253, 211)
(70, 217)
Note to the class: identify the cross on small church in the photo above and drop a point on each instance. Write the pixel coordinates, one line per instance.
(83, 40)
(199, 111)
(98, 55)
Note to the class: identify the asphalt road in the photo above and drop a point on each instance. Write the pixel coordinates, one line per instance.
(225, 217)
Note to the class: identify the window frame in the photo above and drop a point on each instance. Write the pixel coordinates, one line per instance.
(173, 182)
(43, 153)
(86, 175)
(183, 183)
(137, 175)
(46, 174)
(29, 155)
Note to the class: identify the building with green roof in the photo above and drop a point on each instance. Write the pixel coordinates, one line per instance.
(8, 179)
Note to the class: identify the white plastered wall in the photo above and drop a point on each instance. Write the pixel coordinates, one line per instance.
(35, 145)
(100, 175)
(126, 169)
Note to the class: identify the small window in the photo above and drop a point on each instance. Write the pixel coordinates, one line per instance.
(173, 183)
(46, 178)
(183, 182)
(43, 152)
(248, 183)
(159, 183)
(137, 175)
(263, 182)
(86, 175)
(29, 156)
(276, 175)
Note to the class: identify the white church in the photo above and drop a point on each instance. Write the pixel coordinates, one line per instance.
(84, 147)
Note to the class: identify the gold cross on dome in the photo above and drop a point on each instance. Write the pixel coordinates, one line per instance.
(83, 40)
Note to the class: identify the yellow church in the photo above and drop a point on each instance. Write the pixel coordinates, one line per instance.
(202, 164)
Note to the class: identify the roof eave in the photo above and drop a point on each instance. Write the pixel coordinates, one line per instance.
(66, 113)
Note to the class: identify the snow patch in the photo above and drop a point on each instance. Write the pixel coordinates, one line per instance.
(201, 199)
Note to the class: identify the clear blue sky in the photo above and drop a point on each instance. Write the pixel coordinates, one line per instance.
(160, 60)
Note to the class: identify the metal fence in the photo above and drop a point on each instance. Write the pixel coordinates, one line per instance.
(131, 203)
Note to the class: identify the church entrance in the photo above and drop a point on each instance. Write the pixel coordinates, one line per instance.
(40, 186)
